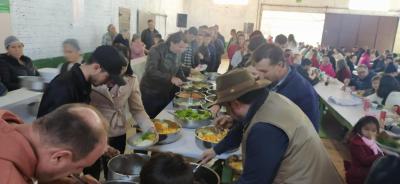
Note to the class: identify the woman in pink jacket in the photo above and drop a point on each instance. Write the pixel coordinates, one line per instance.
(327, 67)
(365, 59)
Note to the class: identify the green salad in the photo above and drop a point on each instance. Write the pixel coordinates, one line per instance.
(192, 114)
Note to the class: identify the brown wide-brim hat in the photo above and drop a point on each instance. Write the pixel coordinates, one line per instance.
(232, 85)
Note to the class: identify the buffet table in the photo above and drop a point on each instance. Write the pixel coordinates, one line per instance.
(186, 144)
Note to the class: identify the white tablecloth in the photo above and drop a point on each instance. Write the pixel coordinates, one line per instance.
(186, 145)
(350, 113)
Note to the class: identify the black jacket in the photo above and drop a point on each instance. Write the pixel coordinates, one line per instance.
(161, 66)
(206, 56)
(69, 87)
(64, 66)
(11, 69)
(147, 37)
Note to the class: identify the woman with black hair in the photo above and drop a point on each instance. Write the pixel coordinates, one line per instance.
(351, 61)
(121, 106)
(389, 91)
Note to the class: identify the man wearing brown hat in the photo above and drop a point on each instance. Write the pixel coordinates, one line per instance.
(279, 143)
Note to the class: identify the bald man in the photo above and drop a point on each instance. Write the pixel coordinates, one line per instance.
(53, 147)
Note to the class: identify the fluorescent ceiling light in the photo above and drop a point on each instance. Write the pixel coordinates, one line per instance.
(371, 5)
(231, 2)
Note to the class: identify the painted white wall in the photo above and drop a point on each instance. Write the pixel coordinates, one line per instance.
(43, 24)
(205, 12)
(5, 29)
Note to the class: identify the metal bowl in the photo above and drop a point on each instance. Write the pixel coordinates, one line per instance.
(33, 83)
(192, 124)
(126, 167)
(169, 138)
(189, 94)
(205, 175)
(212, 76)
(211, 98)
(184, 103)
(203, 144)
(211, 92)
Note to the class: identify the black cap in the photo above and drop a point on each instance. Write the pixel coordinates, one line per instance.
(111, 61)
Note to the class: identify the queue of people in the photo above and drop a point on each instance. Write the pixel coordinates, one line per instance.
(264, 80)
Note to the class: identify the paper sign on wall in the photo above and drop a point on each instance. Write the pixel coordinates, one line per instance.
(4, 6)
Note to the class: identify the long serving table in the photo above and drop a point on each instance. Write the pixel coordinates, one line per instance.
(186, 144)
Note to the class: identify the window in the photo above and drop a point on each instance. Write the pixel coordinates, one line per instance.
(231, 2)
(306, 27)
(371, 5)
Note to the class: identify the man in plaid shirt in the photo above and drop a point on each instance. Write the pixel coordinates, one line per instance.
(188, 55)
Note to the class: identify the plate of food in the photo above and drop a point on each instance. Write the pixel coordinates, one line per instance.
(143, 140)
(168, 130)
(193, 118)
(209, 136)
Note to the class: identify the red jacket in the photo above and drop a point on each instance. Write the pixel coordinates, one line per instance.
(232, 49)
(17, 157)
(362, 159)
(343, 74)
(315, 62)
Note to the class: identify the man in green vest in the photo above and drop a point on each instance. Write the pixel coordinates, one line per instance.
(279, 143)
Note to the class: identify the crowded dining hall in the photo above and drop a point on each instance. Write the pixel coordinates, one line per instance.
(200, 92)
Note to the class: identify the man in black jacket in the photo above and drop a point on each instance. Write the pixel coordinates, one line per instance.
(75, 85)
(148, 34)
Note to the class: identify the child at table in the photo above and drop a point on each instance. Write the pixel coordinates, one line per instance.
(363, 148)
(371, 94)
(167, 168)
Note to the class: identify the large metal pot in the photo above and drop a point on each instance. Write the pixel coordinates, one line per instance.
(33, 83)
(168, 138)
(184, 103)
(126, 167)
(192, 124)
(205, 175)
(198, 86)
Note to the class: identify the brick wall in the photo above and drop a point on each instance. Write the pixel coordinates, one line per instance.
(43, 24)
